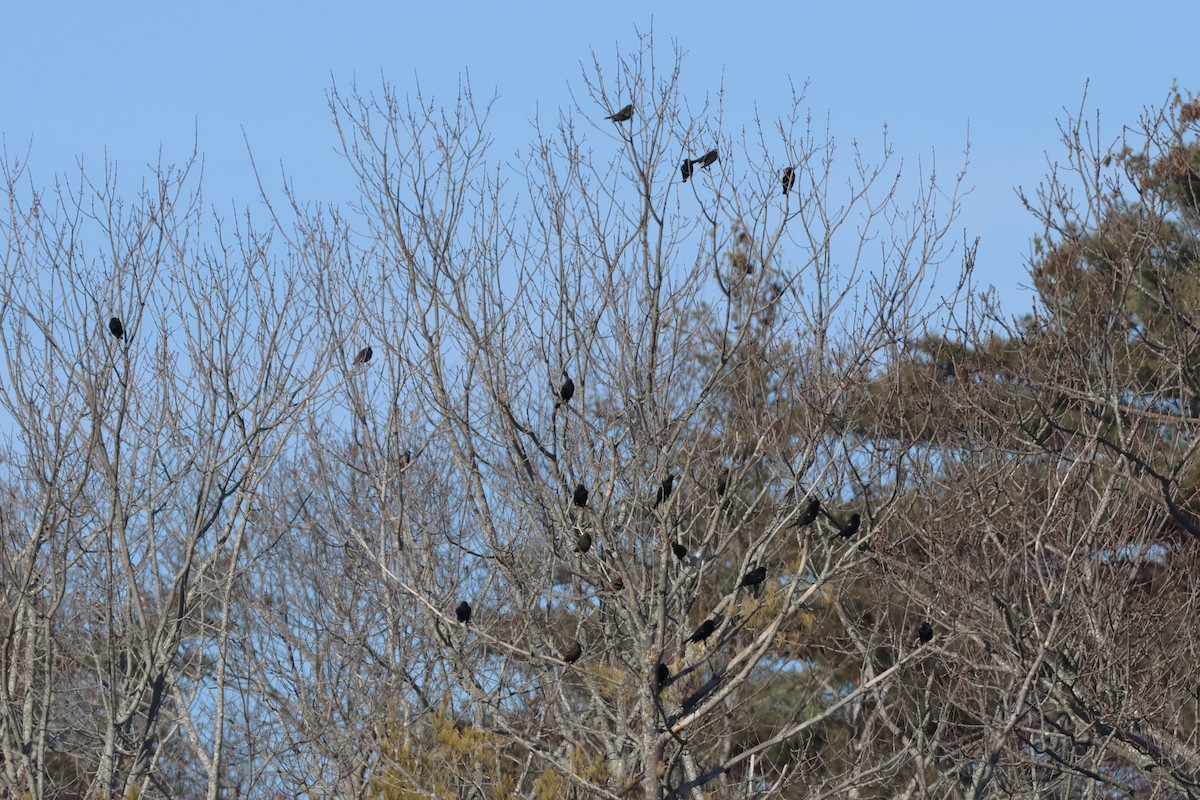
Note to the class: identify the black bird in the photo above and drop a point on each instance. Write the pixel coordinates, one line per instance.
(572, 653)
(363, 356)
(789, 178)
(624, 115)
(705, 630)
(809, 514)
(851, 526)
(754, 577)
(708, 159)
(583, 543)
(662, 674)
(686, 169)
(116, 328)
(580, 497)
(566, 391)
(723, 483)
(679, 550)
(664, 491)
(463, 612)
(925, 632)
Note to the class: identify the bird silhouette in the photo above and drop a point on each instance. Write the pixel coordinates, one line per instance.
(723, 483)
(925, 632)
(686, 169)
(580, 497)
(116, 328)
(573, 652)
(363, 356)
(664, 490)
(463, 612)
(708, 159)
(566, 391)
(809, 514)
(788, 178)
(851, 526)
(705, 630)
(624, 115)
(754, 578)
(583, 543)
(679, 550)
(662, 674)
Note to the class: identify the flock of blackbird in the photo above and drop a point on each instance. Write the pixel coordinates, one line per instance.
(753, 579)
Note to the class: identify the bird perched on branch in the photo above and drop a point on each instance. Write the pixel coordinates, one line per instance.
(925, 632)
(664, 490)
(705, 630)
(573, 652)
(363, 356)
(583, 543)
(580, 497)
(809, 514)
(566, 391)
(662, 674)
(851, 526)
(788, 178)
(116, 328)
(686, 169)
(708, 159)
(463, 612)
(624, 115)
(753, 579)
(679, 550)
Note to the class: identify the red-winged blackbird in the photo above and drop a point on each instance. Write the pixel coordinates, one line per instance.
(624, 115)
(851, 526)
(925, 632)
(679, 550)
(463, 612)
(662, 674)
(116, 328)
(705, 630)
(573, 652)
(580, 497)
(754, 577)
(583, 543)
(809, 514)
(363, 356)
(788, 178)
(566, 391)
(686, 169)
(708, 159)
(664, 491)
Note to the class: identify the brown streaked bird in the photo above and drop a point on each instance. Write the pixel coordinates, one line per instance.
(686, 169)
(708, 159)
(573, 652)
(705, 630)
(463, 612)
(363, 356)
(925, 632)
(624, 115)
(116, 328)
(580, 497)
(583, 543)
(664, 490)
(566, 391)
(809, 514)
(851, 526)
(679, 550)
(788, 178)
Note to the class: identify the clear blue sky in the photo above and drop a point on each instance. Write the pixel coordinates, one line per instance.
(130, 80)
